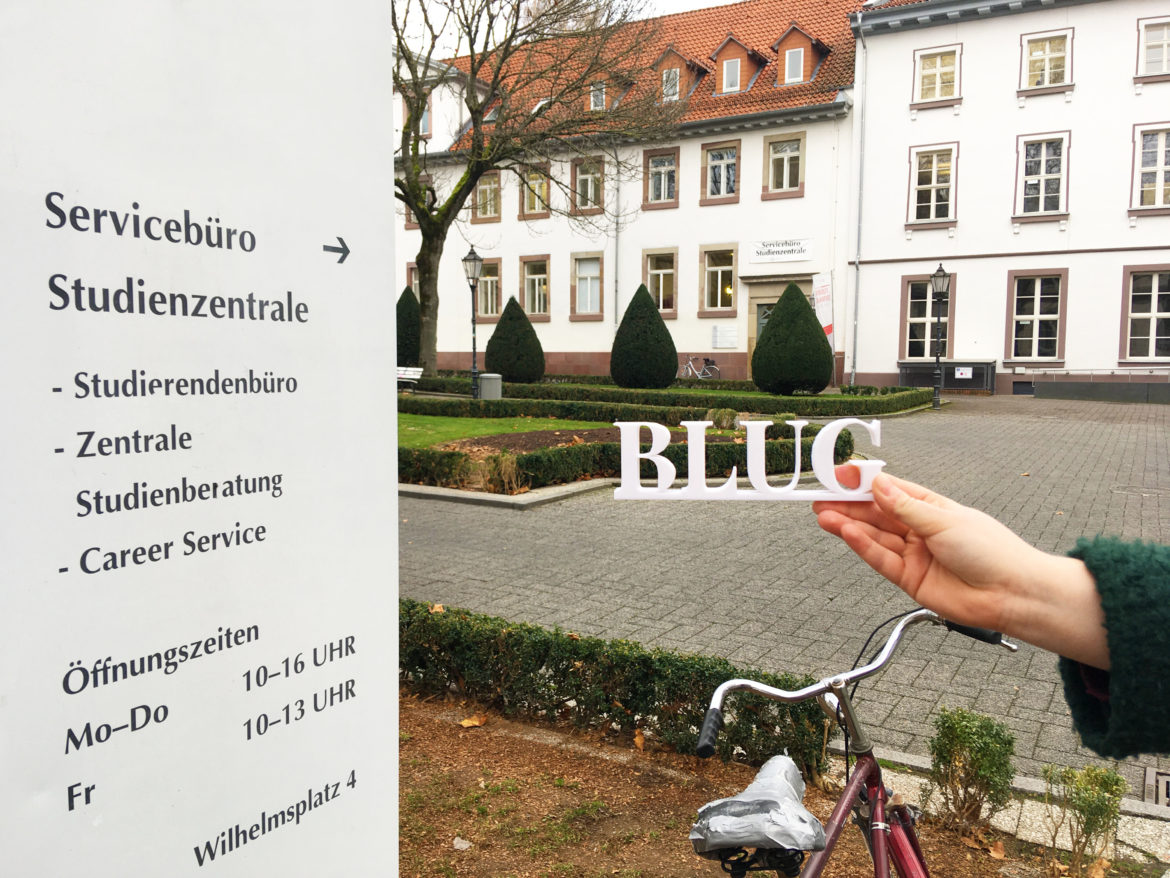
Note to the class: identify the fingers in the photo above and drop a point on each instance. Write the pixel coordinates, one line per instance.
(915, 507)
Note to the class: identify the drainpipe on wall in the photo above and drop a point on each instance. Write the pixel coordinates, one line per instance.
(617, 237)
(860, 187)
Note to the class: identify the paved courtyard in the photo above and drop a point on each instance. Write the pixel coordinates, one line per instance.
(761, 584)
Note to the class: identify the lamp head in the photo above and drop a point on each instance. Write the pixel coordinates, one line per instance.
(472, 266)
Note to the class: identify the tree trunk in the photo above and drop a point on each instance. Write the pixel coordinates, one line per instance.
(427, 263)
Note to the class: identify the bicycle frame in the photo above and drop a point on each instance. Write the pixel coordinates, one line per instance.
(894, 838)
(889, 829)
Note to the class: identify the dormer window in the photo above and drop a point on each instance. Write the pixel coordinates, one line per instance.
(670, 84)
(597, 96)
(793, 66)
(731, 75)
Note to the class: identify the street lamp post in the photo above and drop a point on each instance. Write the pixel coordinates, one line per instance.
(473, 268)
(940, 284)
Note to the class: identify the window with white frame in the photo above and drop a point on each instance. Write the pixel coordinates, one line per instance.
(1036, 318)
(1152, 168)
(536, 286)
(488, 290)
(587, 186)
(1155, 48)
(794, 66)
(721, 171)
(1149, 315)
(932, 184)
(597, 96)
(662, 172)
(535, 194)
(412, 278)
(784, 164)
(660, 279)
(719, 279)
(926, 315)
(487, 197)
(670, 81)
(1043, 183)
(587, 282)
(1047, 60)
(731, 75)
(936, 74)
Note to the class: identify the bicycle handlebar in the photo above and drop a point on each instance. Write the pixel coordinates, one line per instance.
(713, 721)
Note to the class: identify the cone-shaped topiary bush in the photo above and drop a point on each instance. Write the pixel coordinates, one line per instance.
(514, 349)
(792, 353)
(643, 353)
(408, 321)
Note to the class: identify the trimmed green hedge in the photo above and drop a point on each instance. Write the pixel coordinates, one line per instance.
(815, 406)
(570, 463)
(547, 408)
(615, 685)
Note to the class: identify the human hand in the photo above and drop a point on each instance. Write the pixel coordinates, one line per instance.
(969, 568)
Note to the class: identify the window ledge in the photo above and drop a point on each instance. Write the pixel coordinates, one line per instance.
(660, 205)
(721, 199)
(1035, 364)
(930, 105)
(587, 211)
(915, 225)
(477, 220)
(1040, 217)
(1149, 211)
(1046, 90)
(774, 194)
(481, 319)
(1153, 77)
(705, 313)
(586, 318)
(524, 217)
(538, 318)
(670, 314)
(1151, 363)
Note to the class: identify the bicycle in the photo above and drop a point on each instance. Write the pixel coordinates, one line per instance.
(770, 816)
(707, 370)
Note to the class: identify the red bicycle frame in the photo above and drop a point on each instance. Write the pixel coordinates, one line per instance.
(889, 839)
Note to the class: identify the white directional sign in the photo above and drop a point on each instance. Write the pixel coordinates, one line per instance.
(197, 633)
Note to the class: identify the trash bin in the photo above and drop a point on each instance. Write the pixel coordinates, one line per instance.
(491, 386)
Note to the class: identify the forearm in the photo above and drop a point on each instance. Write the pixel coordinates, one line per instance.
(1055, 605)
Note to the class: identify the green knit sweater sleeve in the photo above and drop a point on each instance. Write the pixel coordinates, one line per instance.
(1126, 711)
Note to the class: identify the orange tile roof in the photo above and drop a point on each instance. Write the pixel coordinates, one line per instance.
(757, 25)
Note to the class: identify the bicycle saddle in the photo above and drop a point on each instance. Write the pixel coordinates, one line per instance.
(769, 813)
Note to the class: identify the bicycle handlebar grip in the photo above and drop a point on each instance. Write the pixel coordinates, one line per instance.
(984, 634)
(712, 723)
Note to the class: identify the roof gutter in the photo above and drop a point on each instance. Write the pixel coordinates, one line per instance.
(932, 14)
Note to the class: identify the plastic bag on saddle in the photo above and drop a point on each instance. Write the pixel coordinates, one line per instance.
(769, 813)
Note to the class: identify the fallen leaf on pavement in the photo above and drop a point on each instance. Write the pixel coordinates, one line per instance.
(473, 721)
(438, 608)
(997, 851)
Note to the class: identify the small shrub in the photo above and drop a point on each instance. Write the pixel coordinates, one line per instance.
(970, 766)
(1089, 803)
(514, 349)
(723, 419)
(408, 322)
(792, 354)
(501, 476)
(643, 353)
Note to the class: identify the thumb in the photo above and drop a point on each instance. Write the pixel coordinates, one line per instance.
(918, 514)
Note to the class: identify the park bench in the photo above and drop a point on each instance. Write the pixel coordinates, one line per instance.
(408, 377)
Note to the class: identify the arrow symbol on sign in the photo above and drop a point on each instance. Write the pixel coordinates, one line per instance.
(343, 250)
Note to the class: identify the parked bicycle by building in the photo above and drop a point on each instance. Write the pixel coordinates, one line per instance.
(706, 369)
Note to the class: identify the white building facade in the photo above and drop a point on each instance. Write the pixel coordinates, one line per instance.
(1025, 147)
(715, 223)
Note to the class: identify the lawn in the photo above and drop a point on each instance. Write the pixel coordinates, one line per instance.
(423, 431)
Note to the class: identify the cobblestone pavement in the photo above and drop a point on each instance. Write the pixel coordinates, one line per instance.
(760, 584)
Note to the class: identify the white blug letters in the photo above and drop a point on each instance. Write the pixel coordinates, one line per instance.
(631, 487)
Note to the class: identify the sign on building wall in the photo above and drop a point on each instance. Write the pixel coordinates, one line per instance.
(198, 514)
(780, 250)
(822, 285)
